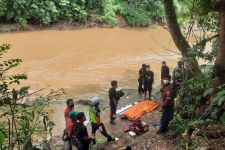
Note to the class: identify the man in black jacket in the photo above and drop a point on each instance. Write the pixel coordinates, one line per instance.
(83, 139)
(148, 81)
(165, 71)
(113, 101)
(141, 79)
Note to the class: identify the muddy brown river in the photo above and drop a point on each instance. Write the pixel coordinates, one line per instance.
(83, 62)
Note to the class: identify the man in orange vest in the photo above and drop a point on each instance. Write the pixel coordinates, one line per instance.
(96, 124)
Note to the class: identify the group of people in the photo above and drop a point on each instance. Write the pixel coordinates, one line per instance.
(169, 90)
(146, 77)
(76, 132)
(145, 80)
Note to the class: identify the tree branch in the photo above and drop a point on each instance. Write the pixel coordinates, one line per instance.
(178, 38)
(203, 42)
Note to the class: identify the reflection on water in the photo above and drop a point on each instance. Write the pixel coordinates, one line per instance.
(83, 62)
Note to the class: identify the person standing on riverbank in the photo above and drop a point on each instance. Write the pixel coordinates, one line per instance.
(83, 139)
(148, 81)
(70, 129)
(178, 75)
(113, 102)
(165, 71)
(96, 124)
(69, 108)
(141, 79)
(167, 105)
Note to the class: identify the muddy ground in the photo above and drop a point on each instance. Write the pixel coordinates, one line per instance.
(147, 141)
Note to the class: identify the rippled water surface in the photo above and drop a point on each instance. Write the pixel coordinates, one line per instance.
(85, 61)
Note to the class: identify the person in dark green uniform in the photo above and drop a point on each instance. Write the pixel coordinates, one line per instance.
(179, 75)
(96, 124)
(113, 101)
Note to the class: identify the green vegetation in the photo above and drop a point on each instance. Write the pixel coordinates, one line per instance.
(20, 121)
(101, 11)
(139, 14)
(200, 102)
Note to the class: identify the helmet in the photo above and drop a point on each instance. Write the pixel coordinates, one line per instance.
(95, 100)
(73, 114)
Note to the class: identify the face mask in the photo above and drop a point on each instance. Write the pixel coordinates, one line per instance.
(71, 105)
(166, 82)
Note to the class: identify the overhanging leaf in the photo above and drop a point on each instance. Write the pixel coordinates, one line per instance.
(2, 136)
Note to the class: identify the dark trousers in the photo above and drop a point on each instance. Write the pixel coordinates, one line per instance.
(83, 145)
(112, 112)
(70, 145)
(148, 88)
(140, 89)
(165, 119)
(101, 128)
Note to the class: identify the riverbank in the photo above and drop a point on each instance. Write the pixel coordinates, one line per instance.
(206, 137)
(14, 27)
(145, 141)
(121, 23)
(80, 13)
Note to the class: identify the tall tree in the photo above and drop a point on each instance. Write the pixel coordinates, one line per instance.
(178, 38)
(220, 58)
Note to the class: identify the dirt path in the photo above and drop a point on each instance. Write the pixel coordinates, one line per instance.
(147, 141)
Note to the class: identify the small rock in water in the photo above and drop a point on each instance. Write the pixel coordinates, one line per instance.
(83, 102)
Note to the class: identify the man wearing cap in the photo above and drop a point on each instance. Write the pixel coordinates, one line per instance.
(167, 105)
(96, 124)
(69, 108)
(70, 129)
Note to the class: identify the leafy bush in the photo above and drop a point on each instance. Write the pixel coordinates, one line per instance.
(19, 121)
(43, 12)
(133, 16)
(140, 13)
(103, 11)
(109, 13)
(194, 94)
(95, 6)
(3, 9)
(72, 10)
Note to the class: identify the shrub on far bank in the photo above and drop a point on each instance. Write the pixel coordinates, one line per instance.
(45, 12)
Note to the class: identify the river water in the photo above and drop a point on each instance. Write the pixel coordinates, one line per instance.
(83, 62)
